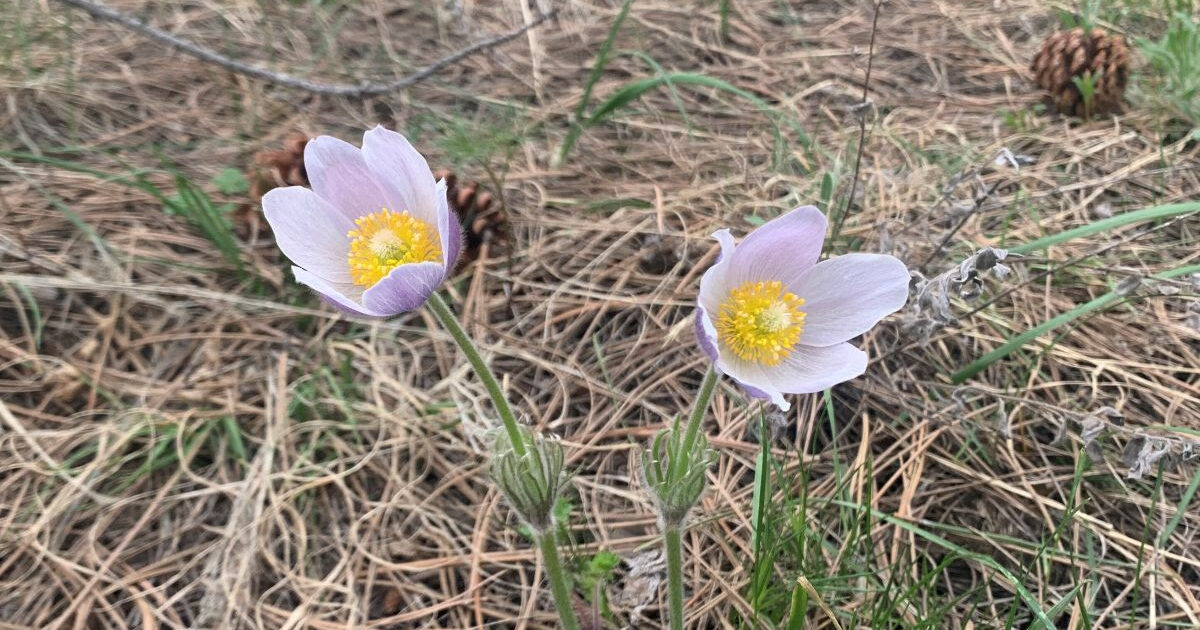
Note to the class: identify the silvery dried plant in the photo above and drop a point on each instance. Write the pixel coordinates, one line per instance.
(930, 311)
(1142, 450)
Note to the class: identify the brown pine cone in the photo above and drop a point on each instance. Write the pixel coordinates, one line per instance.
(1069, 54)
(270, 169)
(483, 220)
(273, 169)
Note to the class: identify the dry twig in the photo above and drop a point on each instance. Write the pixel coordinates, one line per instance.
(364, 89)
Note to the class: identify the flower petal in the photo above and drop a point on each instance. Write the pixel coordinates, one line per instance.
(706, 333)
(782, 249)
(752, 379)
(449, 229)
(714, 284)
(810, 369)
(806, 370)
(309, 231)
(847, 295)
(402, 172)
(339, 294)
(405, 288)
(339, 174)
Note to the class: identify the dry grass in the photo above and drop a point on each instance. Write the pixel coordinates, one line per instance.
(136, 366)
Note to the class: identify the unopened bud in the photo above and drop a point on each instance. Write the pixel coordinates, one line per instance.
(533, 481)
(675, 475)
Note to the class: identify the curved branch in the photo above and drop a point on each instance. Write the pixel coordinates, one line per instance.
(364, 89)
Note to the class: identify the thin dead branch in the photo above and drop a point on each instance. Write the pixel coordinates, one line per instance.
(364, 89)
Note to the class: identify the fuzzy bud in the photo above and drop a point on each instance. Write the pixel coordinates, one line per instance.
(531, 482)
(675, 475)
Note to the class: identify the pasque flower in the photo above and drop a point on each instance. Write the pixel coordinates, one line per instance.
(777, 321)
(374, 235)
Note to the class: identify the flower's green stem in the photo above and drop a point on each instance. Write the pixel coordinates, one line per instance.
(558, 579)
(707, 387)
(672, 539)
(546, 539)
(442, 312)
(672, 530)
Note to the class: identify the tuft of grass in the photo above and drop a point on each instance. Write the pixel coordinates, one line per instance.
(1113, 297)
(211, 219)
(488, 140)
(636, 89)
(762, 576)
(1176, 58)
(829, 542)
(1086, 85)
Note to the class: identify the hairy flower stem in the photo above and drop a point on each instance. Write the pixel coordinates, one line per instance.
(673, 541)
(558, 579)
(707, 387)
(681, 461)
(446, 317)
(545, 539)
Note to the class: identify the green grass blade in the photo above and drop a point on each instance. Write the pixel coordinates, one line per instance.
(636, 89)
(827, 187)
(601, 60)
(1015, 343)
(762, 483)
(233, 433)
(798, 608)
(1184, 502)
(1111, 223)
(199, 210)
(83, 226)
(675, 97)
(1058, 608)
(137, 182)
(35, 315)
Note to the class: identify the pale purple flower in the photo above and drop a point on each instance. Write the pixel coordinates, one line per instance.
(375, 235)
(778, 322)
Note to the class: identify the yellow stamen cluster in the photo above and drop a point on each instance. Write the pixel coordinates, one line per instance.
(385, 240)
(760, 322)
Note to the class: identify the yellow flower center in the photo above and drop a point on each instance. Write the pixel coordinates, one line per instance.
(385, 240)
(761, 322)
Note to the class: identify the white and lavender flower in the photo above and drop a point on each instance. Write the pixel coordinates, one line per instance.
(777, 321)
(374, 235)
